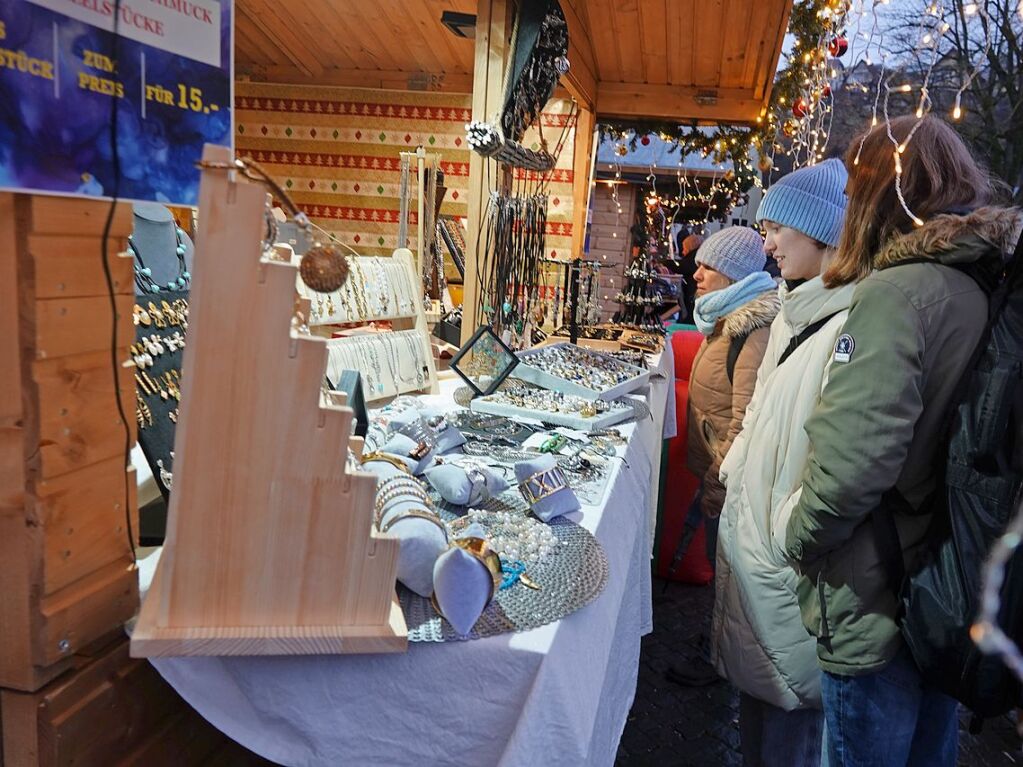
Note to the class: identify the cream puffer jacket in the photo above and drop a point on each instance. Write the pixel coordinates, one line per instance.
(758, 639)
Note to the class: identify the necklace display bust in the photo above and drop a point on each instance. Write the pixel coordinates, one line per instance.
(155, 242)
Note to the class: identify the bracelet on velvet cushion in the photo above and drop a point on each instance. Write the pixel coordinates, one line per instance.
(542, 484)
(466, 577)
(423, 538)
(467, 483)
(395, 461)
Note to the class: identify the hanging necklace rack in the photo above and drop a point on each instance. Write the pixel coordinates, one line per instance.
(381, 289)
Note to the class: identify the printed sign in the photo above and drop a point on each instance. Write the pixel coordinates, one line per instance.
(172, 79)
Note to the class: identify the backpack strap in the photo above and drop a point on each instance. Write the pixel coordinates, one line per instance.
(808, 331)
(886, 538)
(734, 349)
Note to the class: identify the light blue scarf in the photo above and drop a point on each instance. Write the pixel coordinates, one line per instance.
(713, 306)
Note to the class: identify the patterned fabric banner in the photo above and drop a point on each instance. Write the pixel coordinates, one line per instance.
(336, 150)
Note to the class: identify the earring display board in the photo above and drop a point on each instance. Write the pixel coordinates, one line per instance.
(161, 322)
(270, 544)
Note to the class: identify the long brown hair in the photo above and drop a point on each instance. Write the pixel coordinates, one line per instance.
(938, 175)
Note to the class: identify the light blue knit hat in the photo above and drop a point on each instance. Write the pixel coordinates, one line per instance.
(811, 200)
(735, 251)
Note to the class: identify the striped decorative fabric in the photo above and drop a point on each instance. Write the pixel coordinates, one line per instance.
(337, 152)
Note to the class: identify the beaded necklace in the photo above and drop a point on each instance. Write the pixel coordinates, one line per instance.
(144, 275)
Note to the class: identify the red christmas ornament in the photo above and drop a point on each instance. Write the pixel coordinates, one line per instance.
(826, 91)
(645, 141)
(800, 108)
(838, 47)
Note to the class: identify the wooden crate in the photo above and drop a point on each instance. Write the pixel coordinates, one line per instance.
(66, 497)
(110, 710)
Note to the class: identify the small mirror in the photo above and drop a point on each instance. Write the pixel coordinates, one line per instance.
(484, 361)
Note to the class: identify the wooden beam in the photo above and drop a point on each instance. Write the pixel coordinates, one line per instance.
(391, 80)
(493, 22)
(734, 105)
(582, 167)
(768, 65)
(581, 80)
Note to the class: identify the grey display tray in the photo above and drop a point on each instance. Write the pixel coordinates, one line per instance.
(527, 372)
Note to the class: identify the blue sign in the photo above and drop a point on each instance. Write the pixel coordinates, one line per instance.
(172, 80)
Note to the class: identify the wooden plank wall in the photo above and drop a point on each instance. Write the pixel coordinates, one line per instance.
(111, 710)
(69, 693)
(66, 574)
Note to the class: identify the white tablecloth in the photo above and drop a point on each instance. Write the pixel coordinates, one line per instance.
(556, 695)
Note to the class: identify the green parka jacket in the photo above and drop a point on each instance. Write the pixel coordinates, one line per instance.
(909, 336)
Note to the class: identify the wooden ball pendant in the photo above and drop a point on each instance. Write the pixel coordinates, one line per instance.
(323, 268)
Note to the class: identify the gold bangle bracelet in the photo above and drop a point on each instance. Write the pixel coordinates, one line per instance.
(376, 455)
(380, 508)
(415, 514)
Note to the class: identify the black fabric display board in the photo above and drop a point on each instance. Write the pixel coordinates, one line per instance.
(350, 383)
(157, 439)
(153, 523)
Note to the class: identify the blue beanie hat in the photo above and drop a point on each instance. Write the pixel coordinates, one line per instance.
(810, 200)
(735, 251)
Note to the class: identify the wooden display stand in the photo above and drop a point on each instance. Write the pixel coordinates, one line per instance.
(270, 544)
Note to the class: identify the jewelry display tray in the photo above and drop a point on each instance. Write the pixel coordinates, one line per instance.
(569, 420)
(527, 372)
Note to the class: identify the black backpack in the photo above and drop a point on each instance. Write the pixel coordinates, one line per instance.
(980, 476)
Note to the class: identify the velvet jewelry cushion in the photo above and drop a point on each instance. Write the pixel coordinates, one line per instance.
(548, 493)
(462, 586)
(403, 446)
(449, 438)
(422, 542)
(466, 485)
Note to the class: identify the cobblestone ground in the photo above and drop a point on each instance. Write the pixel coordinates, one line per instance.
(673, 726)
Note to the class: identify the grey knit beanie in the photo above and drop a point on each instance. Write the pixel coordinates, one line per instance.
(735, 251)
(810, 200)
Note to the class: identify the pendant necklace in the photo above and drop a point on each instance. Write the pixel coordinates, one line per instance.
(144, 275)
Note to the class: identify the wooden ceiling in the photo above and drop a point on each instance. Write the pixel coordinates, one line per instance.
(710, 60)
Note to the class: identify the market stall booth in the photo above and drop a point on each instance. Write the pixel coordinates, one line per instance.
(97, 352)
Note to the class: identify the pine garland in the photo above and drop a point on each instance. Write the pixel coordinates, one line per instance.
(815, 24)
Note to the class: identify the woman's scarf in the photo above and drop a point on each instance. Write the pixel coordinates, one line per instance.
(713, 306)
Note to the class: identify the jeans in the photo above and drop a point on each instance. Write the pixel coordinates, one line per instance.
(773, 737)
(889, 718)
(710, 527)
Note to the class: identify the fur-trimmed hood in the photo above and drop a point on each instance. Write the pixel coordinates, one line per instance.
(957, 239)
(758, 313)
